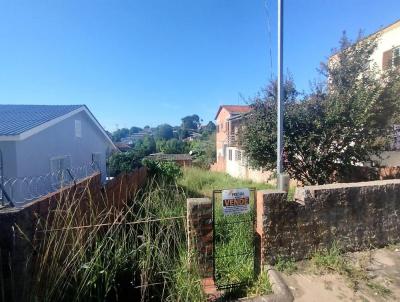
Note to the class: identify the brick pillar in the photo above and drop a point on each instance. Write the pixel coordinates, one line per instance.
(267, 201)
(200, 232)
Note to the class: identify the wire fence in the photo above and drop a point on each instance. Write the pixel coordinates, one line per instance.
(20, 190)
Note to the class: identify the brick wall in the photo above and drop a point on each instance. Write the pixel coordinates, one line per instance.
(89, 192)
(355, 215)
(200, 232)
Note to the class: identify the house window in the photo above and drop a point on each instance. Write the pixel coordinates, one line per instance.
(217, 128)
(396, 57)
(58, 169)
(238, 155)
(78, 128)
(230, 154)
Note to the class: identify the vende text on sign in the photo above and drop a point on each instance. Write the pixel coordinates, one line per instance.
(235, 201)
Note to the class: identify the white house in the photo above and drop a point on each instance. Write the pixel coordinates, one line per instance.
(42, 146)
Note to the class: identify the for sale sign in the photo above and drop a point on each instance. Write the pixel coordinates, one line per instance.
(235, 201)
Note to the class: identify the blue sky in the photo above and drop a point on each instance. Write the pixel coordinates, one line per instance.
(149, 62)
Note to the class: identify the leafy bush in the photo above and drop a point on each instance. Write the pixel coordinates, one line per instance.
(164, 170)
(345, 120)
(128, 161)
(203, 152)
(123, 162)
(172, 146)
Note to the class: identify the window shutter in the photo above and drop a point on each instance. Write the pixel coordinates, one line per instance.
(387, 59)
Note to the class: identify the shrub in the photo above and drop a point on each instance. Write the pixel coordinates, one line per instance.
(123, 162)
(164, 170)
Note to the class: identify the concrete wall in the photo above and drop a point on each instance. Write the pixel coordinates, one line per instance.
(355, 215)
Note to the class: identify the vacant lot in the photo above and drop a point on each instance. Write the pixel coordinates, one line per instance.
(199, 182)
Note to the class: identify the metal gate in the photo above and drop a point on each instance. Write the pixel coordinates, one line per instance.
(233, 245)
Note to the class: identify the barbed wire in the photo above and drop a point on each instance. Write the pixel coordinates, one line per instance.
(21, 190)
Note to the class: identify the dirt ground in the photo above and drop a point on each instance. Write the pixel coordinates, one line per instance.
(381, 269)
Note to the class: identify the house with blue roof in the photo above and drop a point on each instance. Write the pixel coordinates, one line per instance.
(44, 146)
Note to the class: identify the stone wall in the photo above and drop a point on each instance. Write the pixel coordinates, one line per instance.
(200, 233)
(355, 215)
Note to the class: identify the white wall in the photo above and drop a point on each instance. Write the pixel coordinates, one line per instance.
(389, 159)
(387, 41)
(239, 169)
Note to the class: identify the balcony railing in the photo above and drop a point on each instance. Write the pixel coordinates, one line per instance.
(232, 140)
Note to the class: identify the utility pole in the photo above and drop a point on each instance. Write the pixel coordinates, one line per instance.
(283, 179)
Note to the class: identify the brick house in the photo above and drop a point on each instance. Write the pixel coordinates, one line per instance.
(230, 157)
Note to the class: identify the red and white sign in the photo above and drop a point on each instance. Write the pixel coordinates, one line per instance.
(235, 201)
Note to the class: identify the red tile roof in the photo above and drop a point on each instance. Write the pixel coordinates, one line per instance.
(234, 109)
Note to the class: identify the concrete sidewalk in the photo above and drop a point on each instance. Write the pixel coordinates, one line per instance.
(383, 269)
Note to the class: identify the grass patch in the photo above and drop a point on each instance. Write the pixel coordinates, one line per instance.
(286, 265)
(199, 183)
(333, 260)
(261, 286)
(379, 289)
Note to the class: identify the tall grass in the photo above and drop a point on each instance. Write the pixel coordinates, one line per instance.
(199, 182)
(107, 254)
(234, 236)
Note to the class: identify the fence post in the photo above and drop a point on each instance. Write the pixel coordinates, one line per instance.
(266, 200)
(200, 232)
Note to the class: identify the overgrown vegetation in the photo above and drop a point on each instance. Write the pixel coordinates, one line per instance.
(139, 250)
(345, 120)
(198, 182)
(166, 171)
(115, 254)
(234, 237)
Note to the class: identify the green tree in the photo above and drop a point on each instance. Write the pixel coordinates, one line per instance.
(134, 130)
(209, 128)
(127, 161)
(164, 131)
(172, 146)
(124, 162)
(191, 122)
(344, 121)
(146, 146)
(203, 151)
(120, 133)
